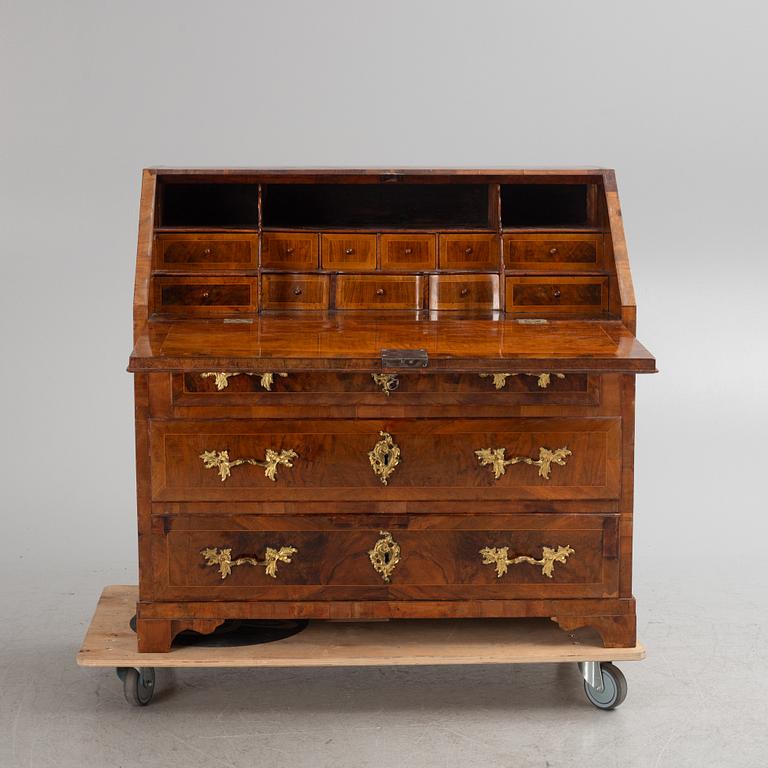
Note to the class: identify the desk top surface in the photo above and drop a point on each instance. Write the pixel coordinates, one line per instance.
(343, 341)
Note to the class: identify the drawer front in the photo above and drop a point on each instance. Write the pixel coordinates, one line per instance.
(415, 556)
(469, 252)
(456, 292)
(373, 459)
(374, 292)
(294, 291)
(289, 250)
(557, 294)
(206, 252)
(233, 389)
(570, 253)
(204, 295)
(408, 252)
(348, 251)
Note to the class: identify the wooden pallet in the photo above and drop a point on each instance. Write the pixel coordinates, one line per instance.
(109, 642)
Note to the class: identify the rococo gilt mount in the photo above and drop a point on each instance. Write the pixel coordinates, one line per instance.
(367, 394)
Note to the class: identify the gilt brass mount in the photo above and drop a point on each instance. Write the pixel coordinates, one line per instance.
(272, 459)
(385, 555)
(500, 558)
(494, 457)
(221, 379)
(387, 381)
(223, 559)
(384, 457)
(542, 379)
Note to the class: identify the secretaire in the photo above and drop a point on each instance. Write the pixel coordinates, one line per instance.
(366, 394)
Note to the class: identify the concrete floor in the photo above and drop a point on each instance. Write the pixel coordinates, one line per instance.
(698, 700)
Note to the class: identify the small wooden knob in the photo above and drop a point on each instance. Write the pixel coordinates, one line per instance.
(205, 294)
(297, 291)
(468, 250)
(408, 251)
(349, 251)
(556, 293)
(289, 250)
(464, 292)
(207, 251)
(379, 291)
(553, 251)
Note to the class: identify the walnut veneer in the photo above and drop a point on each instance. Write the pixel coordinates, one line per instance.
(288, 467)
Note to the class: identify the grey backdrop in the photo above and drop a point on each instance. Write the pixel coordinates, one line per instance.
(671, 95)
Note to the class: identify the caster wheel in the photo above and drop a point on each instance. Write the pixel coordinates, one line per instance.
(138, 684)
(614, 688)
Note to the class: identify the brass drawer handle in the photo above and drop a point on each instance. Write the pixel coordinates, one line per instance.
(272, 459)
(387, 381)
(385, 555)
(384, 457)
(221, 379)
(500, 379)
(500, 558)
(494, 457)
(222, 558)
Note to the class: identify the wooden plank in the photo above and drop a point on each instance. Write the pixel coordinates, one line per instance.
(109, 642)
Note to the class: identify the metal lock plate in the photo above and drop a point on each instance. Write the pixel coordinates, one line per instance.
(404, 358)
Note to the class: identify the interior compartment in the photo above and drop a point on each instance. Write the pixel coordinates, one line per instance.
(209, 205)
(544, 205)
(413, 206)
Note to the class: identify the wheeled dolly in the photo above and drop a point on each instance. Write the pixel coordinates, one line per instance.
(110, 642)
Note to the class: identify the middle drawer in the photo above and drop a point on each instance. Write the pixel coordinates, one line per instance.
(393, 459)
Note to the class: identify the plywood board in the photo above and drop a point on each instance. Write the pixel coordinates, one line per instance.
(109, 642)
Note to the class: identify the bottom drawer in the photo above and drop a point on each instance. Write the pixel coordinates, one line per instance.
(386, 557)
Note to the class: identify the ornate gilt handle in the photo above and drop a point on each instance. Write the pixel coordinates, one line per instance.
(494, 457)
(500, 379)
(221, 379)
(385, 555)
(500, 558)
(387, 381)
(272, 459)
(223, 559)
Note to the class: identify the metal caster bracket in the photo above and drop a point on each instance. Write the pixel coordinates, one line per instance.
(592, 673)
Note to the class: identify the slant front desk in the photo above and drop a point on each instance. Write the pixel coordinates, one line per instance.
(369, 394)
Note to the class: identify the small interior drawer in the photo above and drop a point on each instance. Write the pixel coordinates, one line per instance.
(294, 291)
(576, 295)
(205, 252)
(374, 292)
(554, 252)
(289, 250)
(464, 292)
(345, 251)
(469, 251)
(204, 295)
(408, 252)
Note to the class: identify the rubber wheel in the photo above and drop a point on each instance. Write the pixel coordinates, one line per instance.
(614, 688)
(138, 685)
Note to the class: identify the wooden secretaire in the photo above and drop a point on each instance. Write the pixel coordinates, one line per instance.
(368, 394)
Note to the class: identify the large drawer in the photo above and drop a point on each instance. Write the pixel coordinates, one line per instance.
(370, 557)
(223, 389)
(392, 459)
